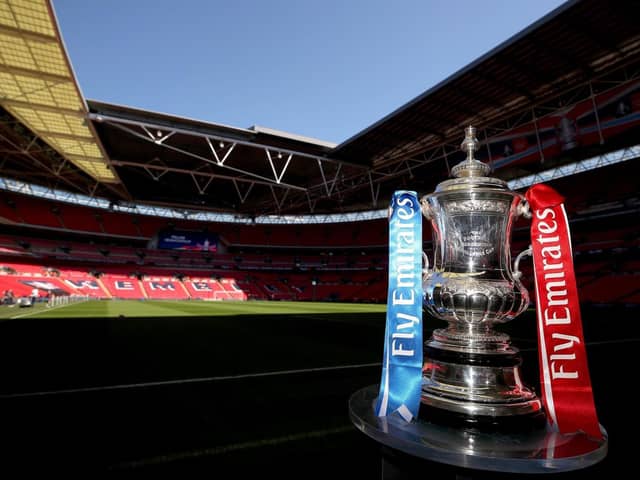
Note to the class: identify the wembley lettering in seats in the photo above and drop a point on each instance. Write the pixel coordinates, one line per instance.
(162, 286)
(90, 284)
(123, 285)
(201, 287)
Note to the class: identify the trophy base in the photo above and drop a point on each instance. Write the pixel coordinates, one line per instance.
(479, 390)
(526, 422)
(528, 451)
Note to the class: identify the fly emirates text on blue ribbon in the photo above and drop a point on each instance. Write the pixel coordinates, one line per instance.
(401, 382)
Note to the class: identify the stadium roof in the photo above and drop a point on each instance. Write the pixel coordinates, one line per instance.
(38, 87)
(575, 55)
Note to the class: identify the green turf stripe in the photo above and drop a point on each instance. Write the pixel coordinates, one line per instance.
(165, 308)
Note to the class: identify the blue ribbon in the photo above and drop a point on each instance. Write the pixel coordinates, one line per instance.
(401, 383)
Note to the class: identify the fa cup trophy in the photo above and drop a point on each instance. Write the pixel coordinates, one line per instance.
(459, 398)
(471, 372)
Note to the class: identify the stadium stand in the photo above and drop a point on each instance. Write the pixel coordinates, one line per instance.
(345, 262)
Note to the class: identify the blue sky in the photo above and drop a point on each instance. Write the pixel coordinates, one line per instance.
(325, 69)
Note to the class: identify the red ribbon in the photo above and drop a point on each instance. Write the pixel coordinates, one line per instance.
(564, 372)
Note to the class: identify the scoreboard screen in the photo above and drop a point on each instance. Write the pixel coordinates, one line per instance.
(184, 240)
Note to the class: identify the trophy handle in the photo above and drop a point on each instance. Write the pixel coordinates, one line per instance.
(425, 268)
(516, 264)
(426, 209)
(428, 213)
(523, 209)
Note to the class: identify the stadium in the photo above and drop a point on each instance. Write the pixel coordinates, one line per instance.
(154, 268)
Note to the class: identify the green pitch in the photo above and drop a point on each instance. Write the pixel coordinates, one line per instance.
(167, 308)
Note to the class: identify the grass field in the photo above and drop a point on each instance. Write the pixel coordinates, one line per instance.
(179, 387)
(247, 388)
(168, 308)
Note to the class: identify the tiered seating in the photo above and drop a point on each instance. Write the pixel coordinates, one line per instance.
(118, 224)
(35, 211)
(23, 283)
(611, 288)
(117, 254)
(341, 261)
(365, 234)
(164, 288)
(79, 218)
(251, 289)
(149, 226)
(14, 284)
(9, 210)
(605, 239)
(201, 288)
(230, 290)
(83, 283)
(10, 247)
(274, 288)
(123, 286)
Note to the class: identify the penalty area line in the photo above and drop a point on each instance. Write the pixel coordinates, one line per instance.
(183, 381)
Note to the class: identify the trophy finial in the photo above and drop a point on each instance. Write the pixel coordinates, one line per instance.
(470, 167)
(470, 142)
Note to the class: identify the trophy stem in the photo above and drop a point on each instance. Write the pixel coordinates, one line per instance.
(474, 331)
(471, 338)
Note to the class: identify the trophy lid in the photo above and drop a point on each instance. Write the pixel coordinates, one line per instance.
(471, 173)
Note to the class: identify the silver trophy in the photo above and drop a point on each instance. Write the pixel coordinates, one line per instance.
(472, 372)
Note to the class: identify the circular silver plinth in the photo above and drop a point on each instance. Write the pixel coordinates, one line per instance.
(539, 451)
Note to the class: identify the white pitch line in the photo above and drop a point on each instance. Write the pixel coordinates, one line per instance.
(209, 452)
(48, 309)
(187, 380)
(236, 377)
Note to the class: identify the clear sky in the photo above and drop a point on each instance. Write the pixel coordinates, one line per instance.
(325, 69)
